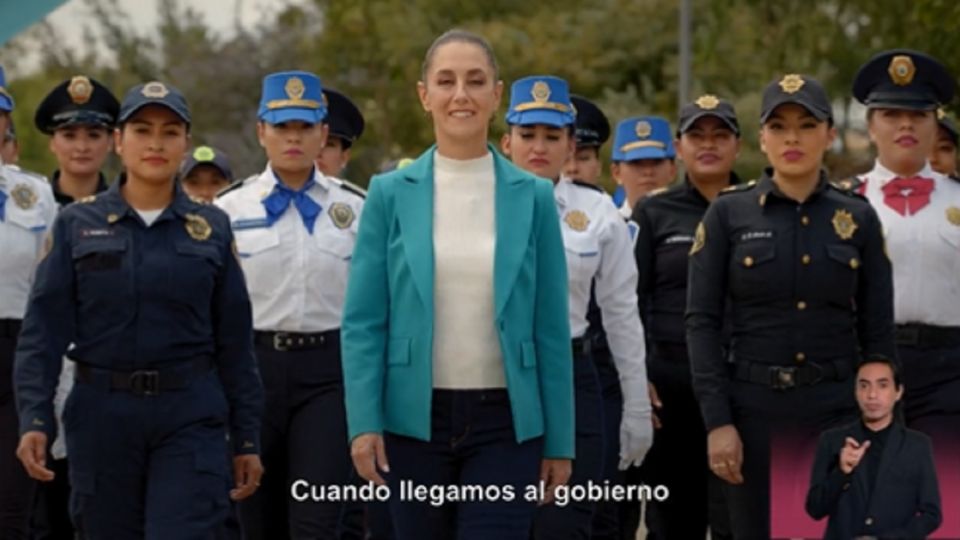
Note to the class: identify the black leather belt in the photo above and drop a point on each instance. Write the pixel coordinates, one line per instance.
(923, 335)
(146, 382)
(9, 328)
(786, 377)
(295, 341)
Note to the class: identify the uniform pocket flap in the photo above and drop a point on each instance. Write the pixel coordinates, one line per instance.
(253, 241)
(844, 254)
(755, 253)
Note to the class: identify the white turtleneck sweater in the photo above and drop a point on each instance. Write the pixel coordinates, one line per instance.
(466, 346)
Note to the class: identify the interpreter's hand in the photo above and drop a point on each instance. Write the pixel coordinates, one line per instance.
(369, 454)
(247, 471)
(851, 454)
(554, 473)
(657, 404)
(636, 437)
(725, 453)
(32, 452)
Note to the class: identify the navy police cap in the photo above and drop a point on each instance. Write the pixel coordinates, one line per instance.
(708, 105)
(77, 101)
(800, 90)
(343, 117)
(592, 126)
(903, 79)
(153, 93)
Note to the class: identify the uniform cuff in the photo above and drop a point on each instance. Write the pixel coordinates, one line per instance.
(716, 413)
(245, 443)
(39, 422)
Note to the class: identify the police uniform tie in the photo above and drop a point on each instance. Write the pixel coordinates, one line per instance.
(907, 194)
(3, 205)
(277, 203)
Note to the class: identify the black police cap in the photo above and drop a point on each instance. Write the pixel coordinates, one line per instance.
(343, 117)
(708, 105)
(903, 79)
(592, 126)
(78, 101)
(153, 93)
(948, 125)
(800, 90)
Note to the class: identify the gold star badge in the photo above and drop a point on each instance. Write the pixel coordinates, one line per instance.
(901, 70)
(707, 102)
(791, 83)
(643, 129)
(80, 89)
(576, 220)
(844, 225)
(197, 227)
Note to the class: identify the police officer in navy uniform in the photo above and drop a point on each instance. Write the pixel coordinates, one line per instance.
(296, 228)
(592, 131)
(920, 212)
(345, 123)
(27, 211)
(797, 269)
(206, 172)
(78, 115)
(146, 284)
(597, 246)
(708, 140)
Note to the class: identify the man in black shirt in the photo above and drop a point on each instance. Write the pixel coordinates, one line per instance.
(874, 477)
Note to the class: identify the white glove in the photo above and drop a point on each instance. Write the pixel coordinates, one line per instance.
(636, 427)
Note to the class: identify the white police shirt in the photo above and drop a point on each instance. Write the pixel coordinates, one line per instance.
(28, 213)
(297, 280)
(924, 248)
(599, 250)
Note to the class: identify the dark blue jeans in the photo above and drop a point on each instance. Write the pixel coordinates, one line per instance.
(472, 444)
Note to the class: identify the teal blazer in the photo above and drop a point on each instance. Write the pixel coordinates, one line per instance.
(387, 328)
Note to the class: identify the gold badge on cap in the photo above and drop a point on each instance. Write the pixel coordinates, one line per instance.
(80, 89)
(24, 196)
(576, 220)
(844, 225)
(294, 88)
(901, 70)
(953, 215)
(204, 153)
(540, 92)
(155, 90)
(791, 83)
(342, 215)
(699, 238)
(197, 227)
(707, 102)
(643, 129)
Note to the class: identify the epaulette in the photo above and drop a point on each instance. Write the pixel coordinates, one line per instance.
(588, 185)
(36, 176)
(851, 184)
(86, 200)
(737, 188)
(235, 185)
(352, 188)
(658, 191)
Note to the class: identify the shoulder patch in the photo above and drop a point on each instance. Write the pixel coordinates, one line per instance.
(850, 184)
(849, 192)
(235, 185)
(658, 191)
(353, 188)
(588, 185)
(737, 188)
(86, 200)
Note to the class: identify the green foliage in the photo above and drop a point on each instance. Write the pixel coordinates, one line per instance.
(622, 53)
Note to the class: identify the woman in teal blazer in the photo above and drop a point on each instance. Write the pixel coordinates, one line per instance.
(432, 251)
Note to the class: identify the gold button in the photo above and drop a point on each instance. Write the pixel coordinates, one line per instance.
(748, 261)
(854, 263)
(805, 220)
(869, 521)
(801, 305)
(801, 357)
(806, 259)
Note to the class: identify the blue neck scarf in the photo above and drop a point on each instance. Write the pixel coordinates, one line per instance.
(279, 200)
(3, 205)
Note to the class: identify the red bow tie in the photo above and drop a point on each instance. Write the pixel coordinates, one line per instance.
(907, 195)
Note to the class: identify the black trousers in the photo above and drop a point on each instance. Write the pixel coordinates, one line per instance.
(16, 493)
(303, 436)
(50, 516)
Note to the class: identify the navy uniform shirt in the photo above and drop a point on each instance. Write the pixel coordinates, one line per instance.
(62, 198)
(666, 222)
(807, 282)
(132, 297)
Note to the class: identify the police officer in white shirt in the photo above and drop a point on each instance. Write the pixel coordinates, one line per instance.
(598, 249)
(295, 230)
(27, 210)
(920, 212)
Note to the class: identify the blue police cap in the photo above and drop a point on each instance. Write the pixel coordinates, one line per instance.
(593, 128)
(540, 100)
(799, 90)
(153, 93)
(903, 79)
(643, 137)
(6, 100)
(207, 155)
(77, 101)
(343, 117)
(292, 95)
